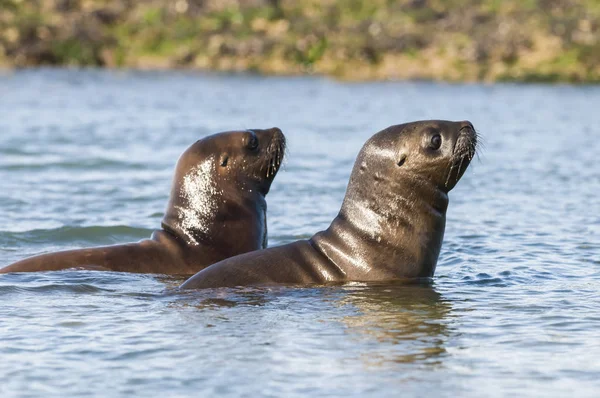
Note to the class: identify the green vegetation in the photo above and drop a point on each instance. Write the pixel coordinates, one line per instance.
(453, 40)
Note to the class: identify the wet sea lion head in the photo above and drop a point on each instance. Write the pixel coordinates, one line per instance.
(220, 185)
(254, 159)
(396, 200)
(434, 151)
(438, 150)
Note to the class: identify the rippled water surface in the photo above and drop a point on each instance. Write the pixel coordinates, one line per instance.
(86, 159)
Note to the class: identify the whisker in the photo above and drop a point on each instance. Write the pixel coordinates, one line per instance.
(480, 140)
(462, 158)
(451, 163)
(278, 157)
(275, 150)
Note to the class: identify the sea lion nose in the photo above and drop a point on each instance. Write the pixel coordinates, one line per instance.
(277, 133)
(465, 124)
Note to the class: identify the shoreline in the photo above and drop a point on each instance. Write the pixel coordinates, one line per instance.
(349, 40)
(7, 70)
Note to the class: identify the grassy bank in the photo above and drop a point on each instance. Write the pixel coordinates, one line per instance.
(453, 40)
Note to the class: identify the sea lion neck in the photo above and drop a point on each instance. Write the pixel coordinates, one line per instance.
(193, 202)
(204, 206)
(384, 228)
(214, 218)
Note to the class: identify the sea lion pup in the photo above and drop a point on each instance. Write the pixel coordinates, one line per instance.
(217, 209)
(391, 223)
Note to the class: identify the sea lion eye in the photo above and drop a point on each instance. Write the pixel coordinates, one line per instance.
(436, 142)
(252, 141)
(224, 161)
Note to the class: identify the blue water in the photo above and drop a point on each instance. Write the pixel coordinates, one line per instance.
(86, 159)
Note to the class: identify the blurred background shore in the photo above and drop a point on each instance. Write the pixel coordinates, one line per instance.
(454, 40)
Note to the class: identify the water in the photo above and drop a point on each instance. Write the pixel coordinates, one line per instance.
(86, 159)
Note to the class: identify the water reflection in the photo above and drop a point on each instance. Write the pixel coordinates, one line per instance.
(388, 323)
(223, 297)
(409, 323)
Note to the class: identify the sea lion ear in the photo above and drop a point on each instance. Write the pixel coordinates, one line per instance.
(402, 160)
(402, 155)
(223, 160)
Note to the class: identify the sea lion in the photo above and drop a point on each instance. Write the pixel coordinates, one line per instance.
(392, 219)
(217, 209)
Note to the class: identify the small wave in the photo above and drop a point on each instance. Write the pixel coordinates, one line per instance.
(89, 164)
(52, 288)
(97, 234)
(121, 284)
(497, 282)
(282, 239)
